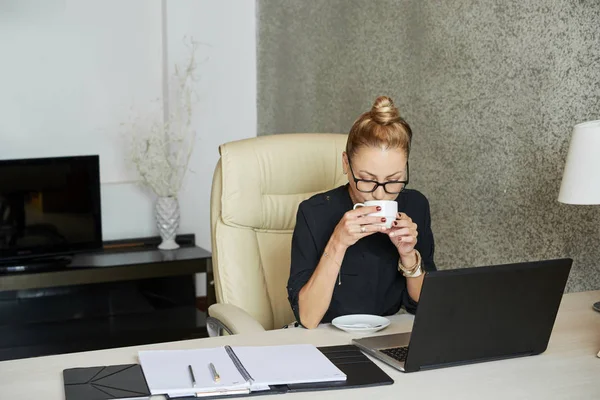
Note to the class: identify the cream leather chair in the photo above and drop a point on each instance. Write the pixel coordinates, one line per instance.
(257, 186)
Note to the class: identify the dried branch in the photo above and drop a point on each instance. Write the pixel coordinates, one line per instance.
(161, 149)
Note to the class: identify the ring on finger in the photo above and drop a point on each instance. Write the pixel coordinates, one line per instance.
(363, 229)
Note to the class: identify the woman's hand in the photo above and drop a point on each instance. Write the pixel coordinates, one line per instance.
(356, 224)
(404, 235)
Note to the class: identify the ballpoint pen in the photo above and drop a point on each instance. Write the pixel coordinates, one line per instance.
(214, 373)
(192, 375)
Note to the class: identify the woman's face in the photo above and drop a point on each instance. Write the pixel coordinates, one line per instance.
(375, 164)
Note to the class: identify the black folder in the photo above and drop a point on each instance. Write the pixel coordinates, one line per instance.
(101, 383)
(128, 381)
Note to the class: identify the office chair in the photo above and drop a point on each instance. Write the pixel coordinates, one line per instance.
(257, 186)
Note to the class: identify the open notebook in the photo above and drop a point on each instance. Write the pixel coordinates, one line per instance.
(241, 369)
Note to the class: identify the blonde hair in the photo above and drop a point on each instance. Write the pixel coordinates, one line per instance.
(381, 127)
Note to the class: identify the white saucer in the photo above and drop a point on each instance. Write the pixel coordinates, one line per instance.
(360, 323)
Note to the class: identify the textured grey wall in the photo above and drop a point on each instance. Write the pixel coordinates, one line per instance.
(491, 89)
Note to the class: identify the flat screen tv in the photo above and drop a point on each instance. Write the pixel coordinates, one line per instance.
(49, 207)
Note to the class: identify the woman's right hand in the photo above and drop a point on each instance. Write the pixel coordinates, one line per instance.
(356, 224)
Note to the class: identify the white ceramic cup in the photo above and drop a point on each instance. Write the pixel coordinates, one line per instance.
(389, 210)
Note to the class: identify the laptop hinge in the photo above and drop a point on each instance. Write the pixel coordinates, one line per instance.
(479, 360)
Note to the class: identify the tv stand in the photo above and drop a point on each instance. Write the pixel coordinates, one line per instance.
(127, 294)
(27, 265)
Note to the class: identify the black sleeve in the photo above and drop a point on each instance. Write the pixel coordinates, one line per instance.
(305, 259)
(409, 304)
(428, 247)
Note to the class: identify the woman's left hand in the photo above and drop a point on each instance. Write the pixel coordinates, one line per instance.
(403, 234)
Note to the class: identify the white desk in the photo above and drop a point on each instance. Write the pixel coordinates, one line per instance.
(569, 369)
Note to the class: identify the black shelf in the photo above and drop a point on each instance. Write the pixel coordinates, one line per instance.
(131, 294)
(111, 266)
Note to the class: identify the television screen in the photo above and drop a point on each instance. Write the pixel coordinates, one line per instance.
(49, 206)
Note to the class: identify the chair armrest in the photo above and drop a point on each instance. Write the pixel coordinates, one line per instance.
(231, 319)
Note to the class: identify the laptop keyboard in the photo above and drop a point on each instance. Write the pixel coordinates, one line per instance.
(397, 353)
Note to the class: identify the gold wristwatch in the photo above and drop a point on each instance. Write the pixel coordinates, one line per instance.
(414, 271)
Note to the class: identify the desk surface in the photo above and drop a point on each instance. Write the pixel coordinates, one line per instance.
(569, 369)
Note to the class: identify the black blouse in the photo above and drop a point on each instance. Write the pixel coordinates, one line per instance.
(370, 281)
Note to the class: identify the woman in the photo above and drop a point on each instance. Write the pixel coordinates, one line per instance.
(343, 261)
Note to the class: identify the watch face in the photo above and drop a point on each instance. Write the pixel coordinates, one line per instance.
(416, 269)
(418, 272)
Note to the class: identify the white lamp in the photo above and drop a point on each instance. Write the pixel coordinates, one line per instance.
(581, 178)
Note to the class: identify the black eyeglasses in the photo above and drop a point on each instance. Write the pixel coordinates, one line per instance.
(368, 186)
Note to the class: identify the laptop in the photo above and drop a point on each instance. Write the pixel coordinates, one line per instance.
(479, 314)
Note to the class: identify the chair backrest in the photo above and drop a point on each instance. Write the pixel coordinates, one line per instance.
(257, 186)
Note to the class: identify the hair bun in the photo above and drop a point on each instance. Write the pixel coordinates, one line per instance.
(384, 112)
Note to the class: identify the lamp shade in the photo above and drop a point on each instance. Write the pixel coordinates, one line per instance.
(581, 177)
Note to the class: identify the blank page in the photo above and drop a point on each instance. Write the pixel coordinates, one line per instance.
(280, 365)
(167, 371)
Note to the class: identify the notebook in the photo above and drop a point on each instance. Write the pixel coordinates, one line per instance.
(124, 382)
(241, 369)
(359, 369)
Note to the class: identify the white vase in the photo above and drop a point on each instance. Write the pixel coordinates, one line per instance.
(167, 219)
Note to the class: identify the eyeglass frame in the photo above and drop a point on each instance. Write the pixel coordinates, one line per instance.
(377, 184)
